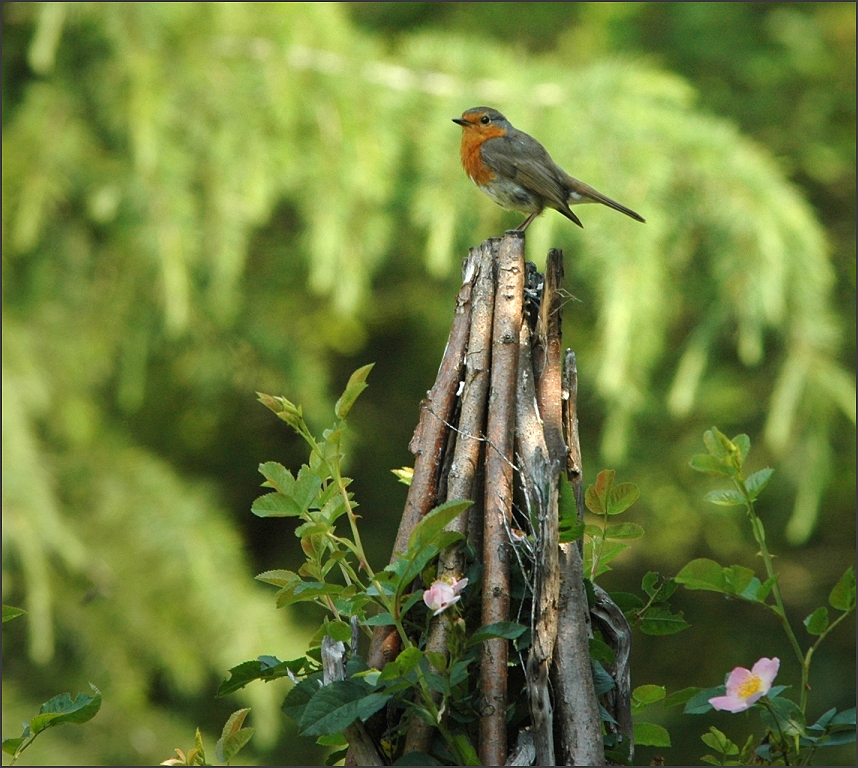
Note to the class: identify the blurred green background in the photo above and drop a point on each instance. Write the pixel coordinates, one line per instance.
(202, 201)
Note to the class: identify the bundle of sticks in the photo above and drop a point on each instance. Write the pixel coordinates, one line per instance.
(499, 427)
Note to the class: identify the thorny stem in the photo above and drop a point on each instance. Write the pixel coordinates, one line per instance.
(760, 536)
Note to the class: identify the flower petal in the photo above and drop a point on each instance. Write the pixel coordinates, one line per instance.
(729, 703)
(738, 677)
(767, 670)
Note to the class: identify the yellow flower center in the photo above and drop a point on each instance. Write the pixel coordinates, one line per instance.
(749, 687)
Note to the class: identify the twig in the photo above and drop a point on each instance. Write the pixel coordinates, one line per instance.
(460, 481)
(537, 481)
(428, 443)
(498, 494)
(580, 723)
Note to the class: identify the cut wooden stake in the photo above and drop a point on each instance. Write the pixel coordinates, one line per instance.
(575, 693)
(498, 495)
(428, 443)
(469, 437)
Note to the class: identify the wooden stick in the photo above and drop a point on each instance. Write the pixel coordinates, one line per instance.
(549, 390)
(460, 481)
(580, 723)
(428, 443)
(498, 494)
(539, 484)
(540, 468)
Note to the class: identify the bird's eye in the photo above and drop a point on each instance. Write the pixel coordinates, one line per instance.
(485, 119)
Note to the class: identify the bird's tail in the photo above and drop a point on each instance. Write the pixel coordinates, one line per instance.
(584, 193)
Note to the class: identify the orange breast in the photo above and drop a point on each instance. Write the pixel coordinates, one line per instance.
(472, 161)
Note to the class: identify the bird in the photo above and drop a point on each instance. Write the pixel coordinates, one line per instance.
(517, 172)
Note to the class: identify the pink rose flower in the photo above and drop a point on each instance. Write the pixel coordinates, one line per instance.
(746, 687)
(443, 593)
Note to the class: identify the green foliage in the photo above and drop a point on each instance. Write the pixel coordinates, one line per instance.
(603, 544)
(59, 710)
(337, 576)
(233, 738)
(789, 740)
(10, 612)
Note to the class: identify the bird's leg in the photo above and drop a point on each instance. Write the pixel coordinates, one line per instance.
(526, 223)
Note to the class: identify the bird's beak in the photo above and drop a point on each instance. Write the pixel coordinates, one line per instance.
(461, 122)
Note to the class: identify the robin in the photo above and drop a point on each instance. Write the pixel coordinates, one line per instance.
(515, 171)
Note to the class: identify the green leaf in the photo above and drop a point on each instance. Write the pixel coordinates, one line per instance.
(465, 752)
(418, 559)
(306, 591)
(842, 597)
(823, 720)
(384, 619)
(571, 532)
(658, 620)
(356, 385)
(571, 529)
(703, 574)
(644, 695)
(783, 715)
(719, 742)
(277, 476)
(10, 612)
(846, 717)
(10, 746)
(602, 681)
(608, 553)
(838, 739)
(459, 673)
(751, 592)
(409, 659)
(621, 497)
(601, 651)
(265, 668)
(300, 695)
(437, 660)
(312, 528)
(680, 697)
(648, 583)
(626, 601)
(817, 622)
(716, 443)
(338, 705)
(699, 704)
(412, 600)
(759, 480)
(596, 495)
(743, 444)
(737, 578)
(404, 474)
(279, 577)
(275, 505)
(233, 737)
(624, 531)
(651, 735)
(339, 631)
(426, 531)
(766, 587)
(505, 629)
(63, 709)
(725, 498)
(711, 465)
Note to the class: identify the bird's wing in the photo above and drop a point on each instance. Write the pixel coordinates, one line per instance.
(522, 158)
